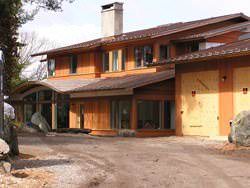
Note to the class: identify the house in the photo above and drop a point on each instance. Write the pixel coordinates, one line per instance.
(121, 81)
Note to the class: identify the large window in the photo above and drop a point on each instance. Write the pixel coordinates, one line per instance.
(105, 61)
(164, 52)
(149, 114)
(115, 60)
(120, 114)
(143, 56)
(29, 110)
(51, 67)
(73, 64)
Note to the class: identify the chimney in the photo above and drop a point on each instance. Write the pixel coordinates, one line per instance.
(112, 19)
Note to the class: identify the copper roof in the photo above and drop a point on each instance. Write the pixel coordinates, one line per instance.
(98, 84)
(146, 33)
(238, 48)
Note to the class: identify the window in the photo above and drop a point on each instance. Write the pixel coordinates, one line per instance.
(124, 58)
(192, 47)
(105, 61)
(143, 56)
(169, 115)
(29, 110)
(115, 61)
(149, 114)
(120, 114)
(73, 64)
(51, 67)
(45, 95)
(164, 52)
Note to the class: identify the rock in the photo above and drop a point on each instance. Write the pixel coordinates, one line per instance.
(41, 122)
(30, 128)
(4, 149)
(10, 137)
(126, 133)
(240, 129)
(6, 166)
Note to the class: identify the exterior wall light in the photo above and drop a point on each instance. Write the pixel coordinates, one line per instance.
(223, 79)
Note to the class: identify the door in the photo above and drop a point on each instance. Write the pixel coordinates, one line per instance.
(241, 89)
(200, 103)
(124, 114)
(81, 116)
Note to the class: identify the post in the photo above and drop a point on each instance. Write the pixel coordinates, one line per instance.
(1, 95)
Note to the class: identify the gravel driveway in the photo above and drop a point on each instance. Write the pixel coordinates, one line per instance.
(65, 160)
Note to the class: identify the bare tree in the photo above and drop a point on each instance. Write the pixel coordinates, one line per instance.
(34, 68)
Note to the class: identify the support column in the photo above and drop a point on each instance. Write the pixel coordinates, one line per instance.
(134, 114)
(54, 110)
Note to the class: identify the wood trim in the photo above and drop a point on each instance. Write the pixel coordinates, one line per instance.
(104, 93)
(154, 133)
(178, 121)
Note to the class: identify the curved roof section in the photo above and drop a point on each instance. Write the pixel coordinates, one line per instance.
(98, 84)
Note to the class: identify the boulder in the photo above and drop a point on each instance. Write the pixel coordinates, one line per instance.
(5, 167)
(41, 122)
(240, 129)
(4, 149)
(10, 137)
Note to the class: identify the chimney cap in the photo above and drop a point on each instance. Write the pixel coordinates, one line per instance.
(115, 5)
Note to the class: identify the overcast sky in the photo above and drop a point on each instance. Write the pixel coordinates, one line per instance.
(81, 20)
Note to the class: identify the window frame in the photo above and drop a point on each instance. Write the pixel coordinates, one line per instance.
(72, 67)
(166, 52)
(105, 56)
(51, 72)
(143, 59)
(115, 66)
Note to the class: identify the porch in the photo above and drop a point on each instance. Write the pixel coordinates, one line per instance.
(145, 105)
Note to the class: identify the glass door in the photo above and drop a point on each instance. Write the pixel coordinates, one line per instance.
(124, 114)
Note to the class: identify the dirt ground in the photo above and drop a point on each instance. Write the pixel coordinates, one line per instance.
(65, 160)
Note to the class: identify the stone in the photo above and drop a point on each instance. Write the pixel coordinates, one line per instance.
(126, 133)
(41, 122)
(10, 137)
(4, 149)
(30, 128)
(6, 166)
(240, 129)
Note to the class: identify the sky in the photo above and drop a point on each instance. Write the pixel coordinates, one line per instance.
(81, 20)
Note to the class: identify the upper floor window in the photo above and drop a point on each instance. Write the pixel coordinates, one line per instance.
(143, 56)
(73, 64)
(51, 67)
(164, 52)
(115, 60)
(192, 46)
(105, 61)
(124, 58)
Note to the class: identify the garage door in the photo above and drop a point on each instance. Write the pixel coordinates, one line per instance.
(200, 103)
(241, 82)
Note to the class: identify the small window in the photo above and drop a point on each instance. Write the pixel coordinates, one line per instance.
(143, 56)
(124, 58)
(192, 47)
(51, 67)
(105, 61)
(73, 64)
(164, 52)
(115, 61)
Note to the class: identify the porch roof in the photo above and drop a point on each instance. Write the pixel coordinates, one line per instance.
(98, 84)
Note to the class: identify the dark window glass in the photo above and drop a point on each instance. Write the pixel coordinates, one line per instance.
(29, 110)
(115, 61)
(105, 61)
(164, 52)
(62, 115)
(73, 64)
(143, 56)
(169, 115)
(46, 111)
(51, 67)
(149, 114)
(45, 95)
(31, 97)
(120, 114)
(192, 46)
(124, 58)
